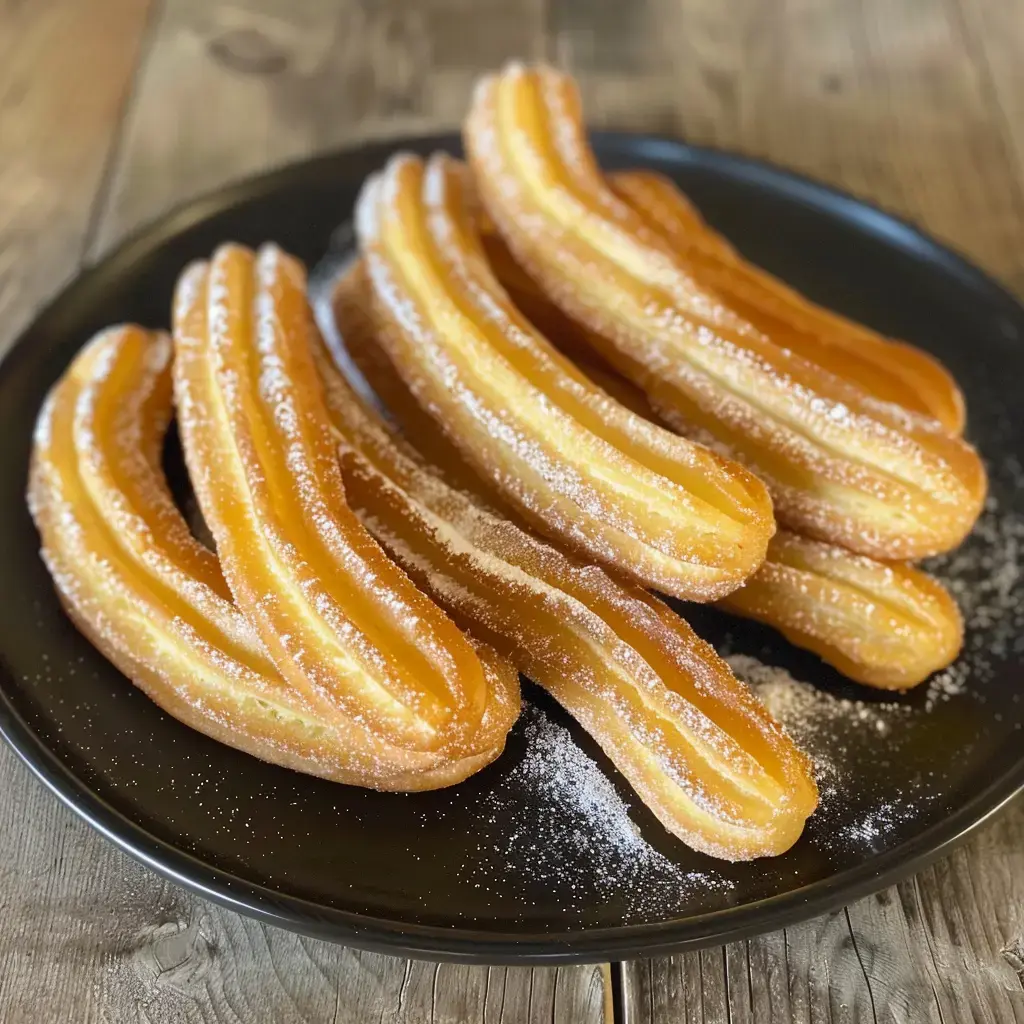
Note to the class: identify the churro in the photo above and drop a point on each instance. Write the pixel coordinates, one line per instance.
(152, 599)
(841, 465)
(342, 623)
(695, 744)
(577, 465)
(888, 625)
(893, 371)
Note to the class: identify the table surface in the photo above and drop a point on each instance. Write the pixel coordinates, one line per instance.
(111, 111)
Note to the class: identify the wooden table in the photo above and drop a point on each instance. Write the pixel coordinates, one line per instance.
(113, 110)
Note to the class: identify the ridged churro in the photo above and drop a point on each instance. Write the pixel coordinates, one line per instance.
(577, 465)
(152, 599)
(696, 745)
(343, 624)
(841, 465)
(885, 624)
(892, 371)
(888, 625)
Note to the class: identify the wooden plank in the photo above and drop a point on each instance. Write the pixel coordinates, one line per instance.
(229, 89)
(65, 69)
(89, 935)
(232, 88)
(994, 30)
(943, 139)
(972, 915)
(942, 948)
(55, 138)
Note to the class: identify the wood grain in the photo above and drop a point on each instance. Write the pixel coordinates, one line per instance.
(915, 104)
(55, 138)
(994, 31)
(65, 71)
(89, 935)
(943, 947)
(268, 82)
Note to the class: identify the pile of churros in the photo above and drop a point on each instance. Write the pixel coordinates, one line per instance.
(593, 397)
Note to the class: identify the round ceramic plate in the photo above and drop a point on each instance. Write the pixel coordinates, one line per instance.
(546, 855)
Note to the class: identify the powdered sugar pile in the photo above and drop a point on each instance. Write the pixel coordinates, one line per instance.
(569, 826)
(869, 828)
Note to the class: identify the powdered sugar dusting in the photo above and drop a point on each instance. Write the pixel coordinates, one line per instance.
(569, 829)
(815, 719)
(803, 709)
(562, 452)
(872, 827)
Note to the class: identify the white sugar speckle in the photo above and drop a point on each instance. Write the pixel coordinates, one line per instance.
(569, 828)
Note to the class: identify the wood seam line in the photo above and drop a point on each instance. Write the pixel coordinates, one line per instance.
(728, 993)
(608, 999)
(926, 933)
(615, 992)
(860, 960)
(100, 206)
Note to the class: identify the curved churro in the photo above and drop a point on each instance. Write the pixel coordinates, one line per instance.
(153, 600)
(576, 464)
(841, 465)
(888, 625)
(890, 370)
(885, 624)
(342, 623)
(894, 642)
(696, 745)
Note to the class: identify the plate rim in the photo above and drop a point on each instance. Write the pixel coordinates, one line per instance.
(469, 945)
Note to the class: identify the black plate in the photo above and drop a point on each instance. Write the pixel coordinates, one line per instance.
(509, 866)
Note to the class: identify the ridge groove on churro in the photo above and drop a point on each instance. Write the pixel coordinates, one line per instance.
(841, 465)
(152, 599)
(575, 463)
(341, 621)
(694, 743)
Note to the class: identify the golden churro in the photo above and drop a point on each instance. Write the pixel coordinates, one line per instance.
(696, 745)
(153, 600)
(890, 370)
(577, 465)
(888, 625)
(894, 642)
(841, 465)
(342, 623)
